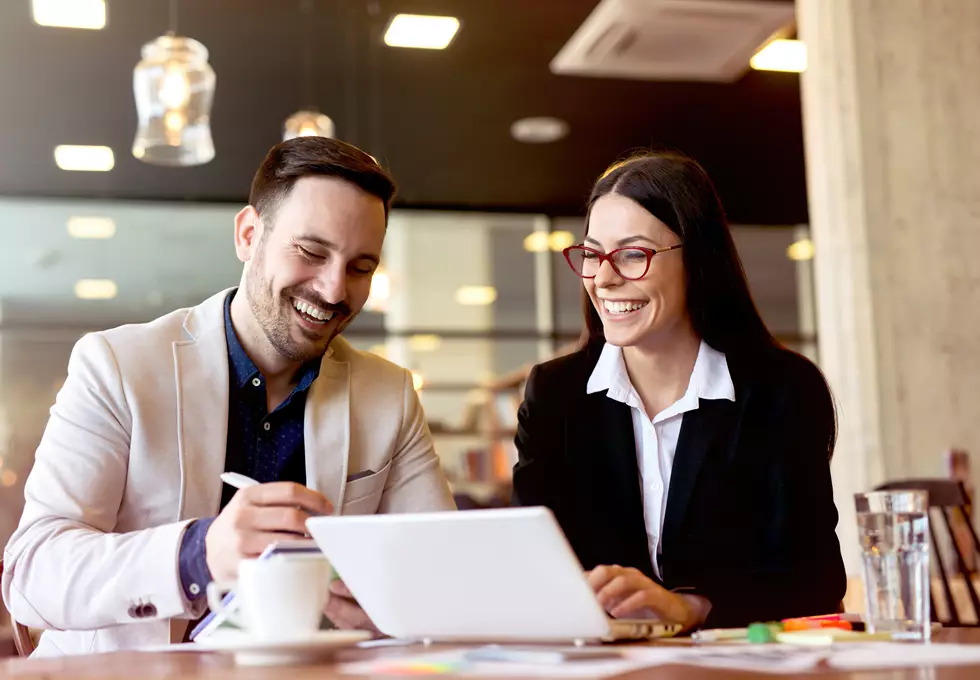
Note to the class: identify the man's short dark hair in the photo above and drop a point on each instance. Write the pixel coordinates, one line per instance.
(301, 157)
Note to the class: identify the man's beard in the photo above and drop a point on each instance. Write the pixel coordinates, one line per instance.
(274, 316)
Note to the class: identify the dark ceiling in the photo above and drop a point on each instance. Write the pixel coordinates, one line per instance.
(440, 120)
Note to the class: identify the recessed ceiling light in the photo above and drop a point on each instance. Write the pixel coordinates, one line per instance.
(91, 227)
(69, 13)
(308, 123)
(476, 295)
(421, 31)
(559, 240)
(781, 55)
(96, 289)
(424, 343)
(536, 242)
(542, 241)
(801, 250)
(84, 158)
(539, 130)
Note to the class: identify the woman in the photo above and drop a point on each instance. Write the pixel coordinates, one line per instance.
(685, 454)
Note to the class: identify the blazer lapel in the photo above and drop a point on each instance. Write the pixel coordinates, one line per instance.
(617, 446)
(619, 449)
(697, 432)
(327, 430)
(201, 372)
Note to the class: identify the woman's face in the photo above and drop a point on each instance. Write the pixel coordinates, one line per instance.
(635, 312)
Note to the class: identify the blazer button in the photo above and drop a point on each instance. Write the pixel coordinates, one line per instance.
(142, 611)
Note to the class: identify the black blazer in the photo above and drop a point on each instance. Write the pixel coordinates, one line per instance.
(750, 516)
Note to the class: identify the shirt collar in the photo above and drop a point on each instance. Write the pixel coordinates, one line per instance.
(710, 379)
(243, 369)
(609, 372)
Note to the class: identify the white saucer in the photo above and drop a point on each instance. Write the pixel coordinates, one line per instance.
(249, 651)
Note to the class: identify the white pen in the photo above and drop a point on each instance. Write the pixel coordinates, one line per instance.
(237, 480)
(240, 481)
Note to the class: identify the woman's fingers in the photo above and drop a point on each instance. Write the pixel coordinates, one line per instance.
(625, 592)
(623, 584)
(602, 575)
(654, 601)
(340, 589)
(615, 591)
(630, 606)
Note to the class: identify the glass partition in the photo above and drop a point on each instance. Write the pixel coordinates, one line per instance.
(467, 301)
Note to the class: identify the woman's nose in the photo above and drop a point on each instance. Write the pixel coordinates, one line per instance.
(606, 276)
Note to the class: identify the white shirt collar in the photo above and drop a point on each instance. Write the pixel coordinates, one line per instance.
(710, 379)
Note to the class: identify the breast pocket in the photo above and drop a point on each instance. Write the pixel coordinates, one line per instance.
(363, 494)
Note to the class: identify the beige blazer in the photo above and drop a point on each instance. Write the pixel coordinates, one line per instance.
(133, 451)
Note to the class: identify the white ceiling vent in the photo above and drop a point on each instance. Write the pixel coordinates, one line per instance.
(672, 39)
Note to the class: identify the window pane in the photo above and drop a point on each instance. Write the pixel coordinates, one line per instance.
(457, 271)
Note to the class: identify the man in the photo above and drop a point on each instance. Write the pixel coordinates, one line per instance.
(126, 520)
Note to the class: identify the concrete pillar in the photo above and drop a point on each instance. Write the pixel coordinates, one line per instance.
(891, 103)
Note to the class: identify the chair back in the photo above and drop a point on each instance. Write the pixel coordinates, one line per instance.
(22, 635)
(948, 500)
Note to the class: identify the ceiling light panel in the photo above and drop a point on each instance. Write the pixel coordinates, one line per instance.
(781, 55)
(421, 31)
(84, 158)
(89, 14)
(96, 289)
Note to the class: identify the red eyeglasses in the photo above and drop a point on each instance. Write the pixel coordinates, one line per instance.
(630, 263)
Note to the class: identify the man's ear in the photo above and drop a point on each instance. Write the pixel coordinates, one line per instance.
(248, 233)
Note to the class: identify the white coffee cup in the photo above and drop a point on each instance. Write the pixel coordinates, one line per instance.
(279, 598)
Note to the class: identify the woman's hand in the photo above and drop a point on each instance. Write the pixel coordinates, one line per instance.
(625, 592)
(343, 610)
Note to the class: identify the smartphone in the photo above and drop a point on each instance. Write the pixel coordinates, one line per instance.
(542, 655)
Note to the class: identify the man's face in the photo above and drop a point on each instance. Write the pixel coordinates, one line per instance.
(310, 263)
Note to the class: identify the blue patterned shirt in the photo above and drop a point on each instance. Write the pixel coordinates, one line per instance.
(268, 447)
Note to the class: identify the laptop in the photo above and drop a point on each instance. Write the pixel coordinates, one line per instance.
(501, 575)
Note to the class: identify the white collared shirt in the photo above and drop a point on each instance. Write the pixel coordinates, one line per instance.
(656, 438)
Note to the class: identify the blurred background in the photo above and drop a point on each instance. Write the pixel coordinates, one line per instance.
(130, 130)
(494, 152)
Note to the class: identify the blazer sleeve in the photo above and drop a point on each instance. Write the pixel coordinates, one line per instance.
(806, 576)
(65, 567)
(416, 482)
(539, 447)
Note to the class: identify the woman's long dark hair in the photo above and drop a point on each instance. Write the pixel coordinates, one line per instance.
(677, 191)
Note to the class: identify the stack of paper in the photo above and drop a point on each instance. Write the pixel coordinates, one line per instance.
(755, 658)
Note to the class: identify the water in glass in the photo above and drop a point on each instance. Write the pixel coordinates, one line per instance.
(894, 535)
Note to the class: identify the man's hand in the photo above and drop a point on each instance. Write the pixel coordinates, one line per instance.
(344, 611)
(627, 593)
(256, 517)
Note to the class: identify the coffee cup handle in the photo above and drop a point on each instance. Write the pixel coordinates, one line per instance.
(216, 594)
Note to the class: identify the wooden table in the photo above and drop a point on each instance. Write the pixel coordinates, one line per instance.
(212, 666)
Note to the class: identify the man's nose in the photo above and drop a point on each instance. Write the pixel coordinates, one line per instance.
(332, 284)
